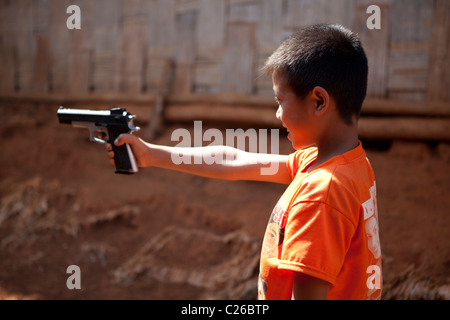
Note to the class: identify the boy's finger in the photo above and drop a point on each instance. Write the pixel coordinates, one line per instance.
(122, 139)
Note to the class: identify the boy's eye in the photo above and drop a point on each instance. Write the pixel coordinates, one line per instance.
(277, 100)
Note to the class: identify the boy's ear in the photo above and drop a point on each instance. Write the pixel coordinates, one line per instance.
(322, 100)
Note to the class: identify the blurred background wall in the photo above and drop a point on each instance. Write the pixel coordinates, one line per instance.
(216, 46)
(137, 48)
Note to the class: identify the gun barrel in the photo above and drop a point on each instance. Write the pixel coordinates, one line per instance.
(116, 115)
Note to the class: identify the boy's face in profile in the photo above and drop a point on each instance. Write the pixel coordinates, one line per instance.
(297, 115)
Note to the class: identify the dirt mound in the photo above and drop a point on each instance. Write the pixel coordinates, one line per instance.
(190, 256)
(165, 235)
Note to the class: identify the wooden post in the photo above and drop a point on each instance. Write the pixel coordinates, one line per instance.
(435, 129)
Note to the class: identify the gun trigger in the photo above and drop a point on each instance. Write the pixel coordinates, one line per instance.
(95, 139)
(98, 140)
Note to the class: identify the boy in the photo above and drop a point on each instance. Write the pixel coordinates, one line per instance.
(317, 244)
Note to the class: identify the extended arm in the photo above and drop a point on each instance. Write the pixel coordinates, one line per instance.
(219, 162)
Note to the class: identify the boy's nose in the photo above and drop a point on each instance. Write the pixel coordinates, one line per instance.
(278, 114)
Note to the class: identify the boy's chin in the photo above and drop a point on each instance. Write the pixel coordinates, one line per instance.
(300, 146)
(295, 144)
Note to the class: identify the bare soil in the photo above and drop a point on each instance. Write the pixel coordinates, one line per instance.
(166, 235)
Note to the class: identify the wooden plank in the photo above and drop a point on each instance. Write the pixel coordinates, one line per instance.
(185, 40)
(208, 70)
(439, 75)
(239, 59)
(41, 16)
(7, 70)
(405, 128)
(185, 6)
(158, 74)
(106, 40)
(411, 21)
(7, 46)
(241, 2)
(81, 51)
(185, 52)
(132, 10)
(244, 13)
(369, 128)
(183, 82)
(300, 14)
(79, 69)
(161, 28)
(225, 98)
(407, 70)
(208, 74)
(405, 108)
(221, 113)
(41, 60)
(106, 75)
(59, 46)
(25, 48)
(270, 30)
(41, 75)
(132, 56)
(263, 82)
(308, 12)
(105, 25)
(407, 96)
(339, 12)
(371, 107)
(156, 120)
(210, 32)
(375, 43)
(409, 56)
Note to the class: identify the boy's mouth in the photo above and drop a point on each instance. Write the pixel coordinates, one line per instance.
(289, 136)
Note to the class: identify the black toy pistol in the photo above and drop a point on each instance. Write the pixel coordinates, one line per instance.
(112, 123)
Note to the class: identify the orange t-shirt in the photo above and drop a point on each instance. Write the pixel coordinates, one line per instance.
(325, 225)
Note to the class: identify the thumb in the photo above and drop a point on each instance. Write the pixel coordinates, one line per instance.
(123, 139)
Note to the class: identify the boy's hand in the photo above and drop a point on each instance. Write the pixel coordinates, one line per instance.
(138, 146)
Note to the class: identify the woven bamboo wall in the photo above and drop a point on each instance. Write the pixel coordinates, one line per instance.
(214, 46)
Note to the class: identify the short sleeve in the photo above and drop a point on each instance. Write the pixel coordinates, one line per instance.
(297, 160)
(316, 240)
(293, 163)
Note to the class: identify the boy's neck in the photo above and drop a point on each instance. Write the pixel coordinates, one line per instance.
(338, 141)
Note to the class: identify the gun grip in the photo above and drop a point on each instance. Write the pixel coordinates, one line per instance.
(124, 159)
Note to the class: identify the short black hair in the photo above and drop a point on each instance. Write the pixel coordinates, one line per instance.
(326, 55)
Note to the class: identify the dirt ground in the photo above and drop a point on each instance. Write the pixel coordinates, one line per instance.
(167, 235)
